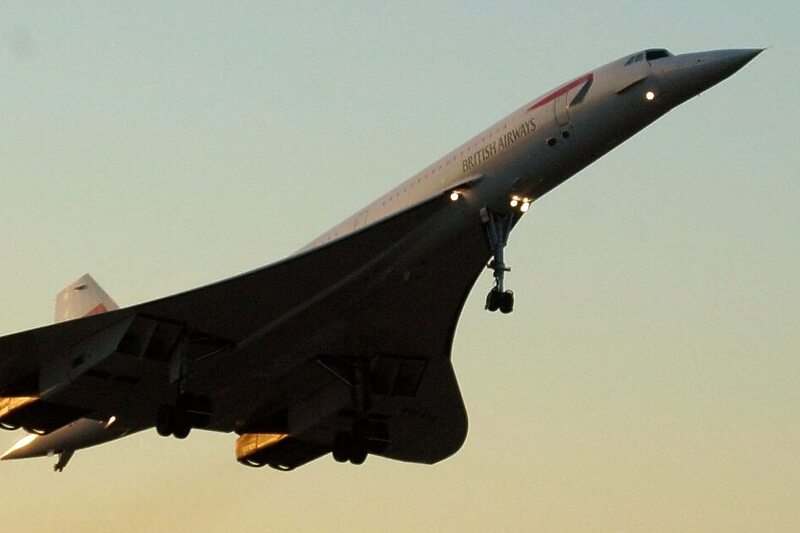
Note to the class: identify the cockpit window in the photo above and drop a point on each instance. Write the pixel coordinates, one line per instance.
(652, 55)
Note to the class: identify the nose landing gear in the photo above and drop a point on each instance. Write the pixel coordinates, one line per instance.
(498, 228)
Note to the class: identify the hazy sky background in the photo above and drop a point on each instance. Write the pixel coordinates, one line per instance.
(649, 378)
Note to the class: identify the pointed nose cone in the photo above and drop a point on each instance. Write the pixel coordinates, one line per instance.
(745, 55)
(718, 65)
(690, 74)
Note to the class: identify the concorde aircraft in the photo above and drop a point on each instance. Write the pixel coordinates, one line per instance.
(345, 346)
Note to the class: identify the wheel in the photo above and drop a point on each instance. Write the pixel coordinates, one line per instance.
(358, 451)
(493, 300)
(506, 302)
(181, 429)
(181, 426)
(8, 427)
(341, 447)
(164, 421)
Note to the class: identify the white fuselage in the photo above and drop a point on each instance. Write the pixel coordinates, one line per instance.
(515, 153)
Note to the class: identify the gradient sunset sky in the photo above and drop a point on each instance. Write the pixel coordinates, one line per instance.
(649, 378)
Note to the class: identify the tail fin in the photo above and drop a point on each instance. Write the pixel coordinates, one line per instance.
(83, 297)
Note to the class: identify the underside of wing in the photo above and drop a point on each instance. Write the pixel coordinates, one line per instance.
(397, 332)
(276, 350)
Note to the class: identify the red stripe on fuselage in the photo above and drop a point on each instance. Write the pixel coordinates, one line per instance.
(100, 308)
(563, 89)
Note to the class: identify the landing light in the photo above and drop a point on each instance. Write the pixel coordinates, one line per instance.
(650, 95)
(454, 195)
(522, 203)
(110, 421)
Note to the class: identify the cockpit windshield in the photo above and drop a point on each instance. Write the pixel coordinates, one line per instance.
(650, 55)
(656, 53)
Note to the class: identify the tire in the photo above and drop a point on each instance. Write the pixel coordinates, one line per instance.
(358, 451)
(341, 448)
(506, 302)
(164, 421)
(181, 427)
(182, 431)
(493, 300)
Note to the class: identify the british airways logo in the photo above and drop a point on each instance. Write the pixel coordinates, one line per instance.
(586, 81)
(498, 145)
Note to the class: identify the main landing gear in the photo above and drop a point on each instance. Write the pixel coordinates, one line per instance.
(498, 227)
(190, 411)
(366, 436)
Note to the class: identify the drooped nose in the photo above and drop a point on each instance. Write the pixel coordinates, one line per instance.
(688, 75)
(713, 67)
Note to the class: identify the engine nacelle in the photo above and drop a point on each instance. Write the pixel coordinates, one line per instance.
(251, 448)
(36, 415)
(278, 450)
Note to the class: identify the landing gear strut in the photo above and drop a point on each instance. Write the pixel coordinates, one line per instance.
(189, 410)
(498, 227)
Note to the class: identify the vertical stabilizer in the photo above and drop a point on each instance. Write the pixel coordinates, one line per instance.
(83, 297)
